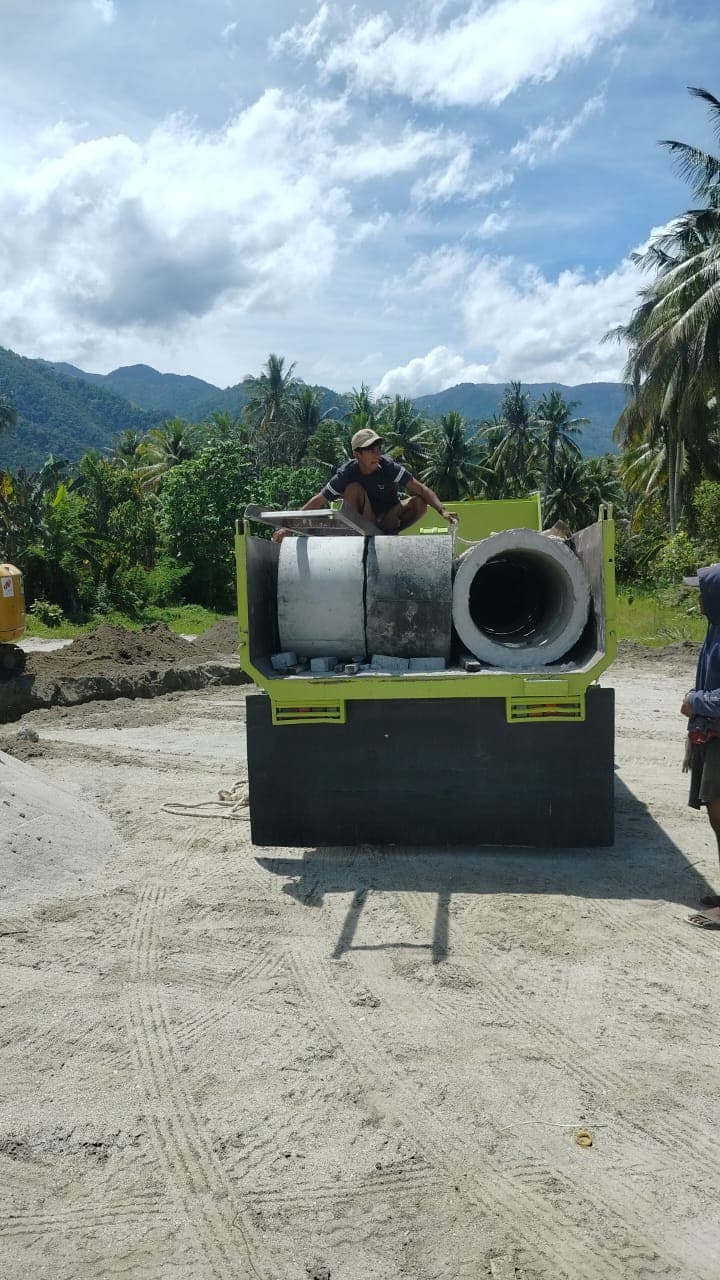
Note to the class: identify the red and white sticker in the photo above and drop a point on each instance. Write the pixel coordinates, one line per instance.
(8, 588)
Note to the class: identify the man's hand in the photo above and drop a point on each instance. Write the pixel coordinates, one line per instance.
(450, 516)
(279, 534)
(686, 709)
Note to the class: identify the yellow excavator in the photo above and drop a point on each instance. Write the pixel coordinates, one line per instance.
(12, 621)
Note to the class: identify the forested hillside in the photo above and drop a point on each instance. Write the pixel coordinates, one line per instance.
(193, 399)
(600, 402)
(60, 415)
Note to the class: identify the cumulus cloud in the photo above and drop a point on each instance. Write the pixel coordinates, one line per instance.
(115, 233)
(480, 56)
(526, 326)
(439, 369)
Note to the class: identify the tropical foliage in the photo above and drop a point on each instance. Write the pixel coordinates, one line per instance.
(151, 518)
(670, 428)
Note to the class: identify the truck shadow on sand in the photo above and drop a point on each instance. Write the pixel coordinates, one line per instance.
(644, 863)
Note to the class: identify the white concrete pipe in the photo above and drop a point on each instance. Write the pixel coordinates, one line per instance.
(520, 600)
(409, 596)
(320, 594)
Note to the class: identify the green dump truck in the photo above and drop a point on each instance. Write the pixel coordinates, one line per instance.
(434, 688)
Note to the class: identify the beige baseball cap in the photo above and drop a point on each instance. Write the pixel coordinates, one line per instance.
(365, 438)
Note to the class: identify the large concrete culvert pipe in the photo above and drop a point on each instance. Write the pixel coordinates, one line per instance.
(409, 596)
(344, 597)
(320, 596)
(520, 600)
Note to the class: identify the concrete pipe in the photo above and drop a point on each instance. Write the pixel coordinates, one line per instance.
(409, 596)
(520, 600)
(320, 596)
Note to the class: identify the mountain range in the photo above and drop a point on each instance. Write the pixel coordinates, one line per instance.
(66, 411)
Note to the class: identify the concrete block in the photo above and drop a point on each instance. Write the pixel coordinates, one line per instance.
(389, 666)
(470, 664)
(351, 668)
(427, 664)
(322, 666)
(283, 661)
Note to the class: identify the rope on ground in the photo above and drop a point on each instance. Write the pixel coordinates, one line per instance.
(230, 805)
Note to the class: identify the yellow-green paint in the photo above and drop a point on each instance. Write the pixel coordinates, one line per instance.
(478, 519)
(550, 696)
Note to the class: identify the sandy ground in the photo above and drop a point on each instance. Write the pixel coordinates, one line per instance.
(218, 1061)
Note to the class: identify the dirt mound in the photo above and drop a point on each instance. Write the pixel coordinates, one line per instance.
(110, 648)
(678, 658)
(220, 638)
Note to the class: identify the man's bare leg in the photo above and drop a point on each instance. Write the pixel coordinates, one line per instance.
(403, 515)
(713, 812)
(411, 510)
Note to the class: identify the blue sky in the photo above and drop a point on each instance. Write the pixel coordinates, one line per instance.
(406, 195)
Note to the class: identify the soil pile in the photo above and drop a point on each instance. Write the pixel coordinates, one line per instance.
(110, 648)
(111, 662)
(219, 639)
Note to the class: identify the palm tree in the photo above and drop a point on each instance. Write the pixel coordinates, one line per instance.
(674, 334)
(126, 450)
(453, 458)
(516, 451)
(164, 447)
(402, 429)
(328, 447)
(305, 418)
(558, 429)
(268, 411)
(579, 489)
(223, 425)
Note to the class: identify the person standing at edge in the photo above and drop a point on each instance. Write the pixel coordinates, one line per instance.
(702, 707)
(369, 486)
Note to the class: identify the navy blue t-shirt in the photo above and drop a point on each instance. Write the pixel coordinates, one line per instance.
(381, 486)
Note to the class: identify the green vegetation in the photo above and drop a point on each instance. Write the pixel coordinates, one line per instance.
(59, 415)
(656, 619)
(186, 620)
(140, 526)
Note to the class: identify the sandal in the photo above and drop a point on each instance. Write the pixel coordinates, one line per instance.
(704, 921)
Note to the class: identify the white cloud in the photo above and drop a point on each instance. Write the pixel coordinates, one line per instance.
(228, 30)
(481, 56)
(115, 234)
(371, 157)
(439, 271)
(541, 329)
(106, 9)
(439, 369)
(547, 138)
(303, 39)
(525, 325)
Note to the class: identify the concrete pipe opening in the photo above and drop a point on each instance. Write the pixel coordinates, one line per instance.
(520, 600)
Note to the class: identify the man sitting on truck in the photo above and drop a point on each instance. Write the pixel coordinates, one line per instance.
(369, 486)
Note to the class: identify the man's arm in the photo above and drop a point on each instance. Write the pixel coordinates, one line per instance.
(420, 490)
(702, 702)
(313, 504)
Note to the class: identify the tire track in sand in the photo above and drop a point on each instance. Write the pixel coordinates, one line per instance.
(669, 1130)
(559, 1231)
(194, 1176)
